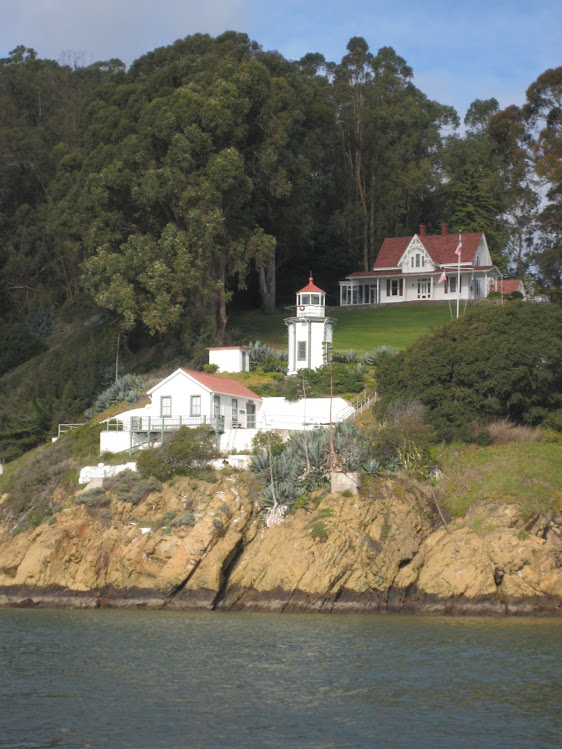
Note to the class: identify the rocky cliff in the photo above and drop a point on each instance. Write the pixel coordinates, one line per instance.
(199, 545)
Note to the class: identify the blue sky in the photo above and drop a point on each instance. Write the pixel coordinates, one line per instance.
(459, 51)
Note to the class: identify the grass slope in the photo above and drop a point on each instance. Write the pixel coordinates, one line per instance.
(359, 329)
(524, 473)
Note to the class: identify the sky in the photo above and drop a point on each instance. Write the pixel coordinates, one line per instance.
(459, 50)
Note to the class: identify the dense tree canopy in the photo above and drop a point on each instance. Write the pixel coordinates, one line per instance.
(212, 171)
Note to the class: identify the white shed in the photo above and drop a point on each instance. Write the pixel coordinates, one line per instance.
(230, 358)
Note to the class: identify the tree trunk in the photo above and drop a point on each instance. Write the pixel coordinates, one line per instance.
(267, 286)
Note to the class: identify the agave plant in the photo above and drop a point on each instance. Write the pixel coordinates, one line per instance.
(128, 388)
(373, 358)
(372, 466)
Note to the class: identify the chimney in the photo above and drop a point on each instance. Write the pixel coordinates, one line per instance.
(422, 230)
(444, 230)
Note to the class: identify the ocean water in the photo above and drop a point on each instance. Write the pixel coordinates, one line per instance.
(155, 680)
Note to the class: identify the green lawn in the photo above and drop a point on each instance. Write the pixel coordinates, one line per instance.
(359, 329)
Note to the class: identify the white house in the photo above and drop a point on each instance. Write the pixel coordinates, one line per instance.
(310, 331)
(408, 269)
(231, 410)
(230, 358)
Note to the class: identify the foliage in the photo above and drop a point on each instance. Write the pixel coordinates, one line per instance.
(188, 449)
(267, 359)
(402, 433)
(128, 486)
(93, 498)
(476, 369)
(127, 388)
(18, 345)
(267, 441)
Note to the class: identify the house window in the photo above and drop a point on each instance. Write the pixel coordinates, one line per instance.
(195, 405)
(305, 298)
(417, 261)
(234, 411)
(316, 299)
(301, 351)
(394, 286)
(412, 261)
(477, 286)
(453, 284)
(166, 405)
(423, 261)
(477, 260)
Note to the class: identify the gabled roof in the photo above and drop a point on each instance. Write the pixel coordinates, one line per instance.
(441, 249)
(213, 383)
(222, 385)
(311, 287)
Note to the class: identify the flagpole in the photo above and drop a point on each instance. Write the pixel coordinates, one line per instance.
(459, 277)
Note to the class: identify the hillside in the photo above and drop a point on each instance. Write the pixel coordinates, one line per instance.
(358, 329)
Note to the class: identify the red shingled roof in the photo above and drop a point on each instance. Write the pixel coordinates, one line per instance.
(311, 287)
(441, 249)
(507, 286)
(221, 384)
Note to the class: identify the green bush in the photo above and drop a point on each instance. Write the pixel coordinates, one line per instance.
(494, 362)
(319, 532)
(187, 450)
(127, 388)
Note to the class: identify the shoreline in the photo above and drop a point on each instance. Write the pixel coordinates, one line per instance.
(395, 602)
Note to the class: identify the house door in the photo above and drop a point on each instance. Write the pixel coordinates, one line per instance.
(424, 288)
(373, 295)
(217, 412)
(251, 415)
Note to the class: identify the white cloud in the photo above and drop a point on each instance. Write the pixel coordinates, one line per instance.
(112, 28)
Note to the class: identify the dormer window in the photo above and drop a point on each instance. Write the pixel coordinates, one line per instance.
(417, 260)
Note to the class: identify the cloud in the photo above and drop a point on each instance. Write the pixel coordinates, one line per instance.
(103, 29)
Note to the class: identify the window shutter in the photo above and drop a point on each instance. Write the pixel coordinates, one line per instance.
(401, 287)
(388, 286)
(445, 285)
(460, 284)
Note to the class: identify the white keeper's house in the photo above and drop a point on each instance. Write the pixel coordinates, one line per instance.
(408, 269)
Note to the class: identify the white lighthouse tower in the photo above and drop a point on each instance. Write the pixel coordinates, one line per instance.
(310, 330)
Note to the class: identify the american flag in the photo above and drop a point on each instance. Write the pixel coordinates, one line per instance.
(459, 246)
(442, 277)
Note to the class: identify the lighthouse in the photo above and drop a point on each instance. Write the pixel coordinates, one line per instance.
(310, 330)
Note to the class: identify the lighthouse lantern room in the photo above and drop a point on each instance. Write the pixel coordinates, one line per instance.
(310, 330)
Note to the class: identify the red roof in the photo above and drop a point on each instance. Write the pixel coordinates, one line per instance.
(221, 384)
(506, 286)
(311, 287)
(441, 249)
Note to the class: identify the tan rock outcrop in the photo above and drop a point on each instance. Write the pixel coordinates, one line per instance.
(384, 551)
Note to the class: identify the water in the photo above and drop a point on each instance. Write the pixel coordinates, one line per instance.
(175, 680)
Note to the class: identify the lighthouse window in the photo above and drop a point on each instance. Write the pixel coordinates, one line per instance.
(315, 299)
(301, 351)
(305, 298)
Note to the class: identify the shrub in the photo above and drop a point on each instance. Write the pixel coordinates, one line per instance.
(265, 440)
(93, 498)
(188, 519)
(319, 532)
(128, 486)
(402, 432)
(210, 368)
(18, 345)
(476, 368)
(187, 450)
(503, 431)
